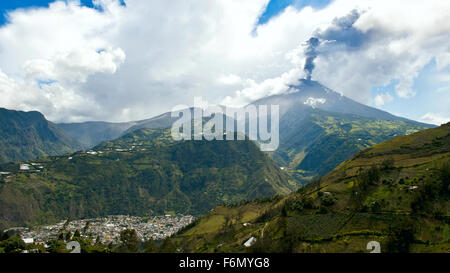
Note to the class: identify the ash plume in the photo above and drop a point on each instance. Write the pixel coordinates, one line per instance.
(311, 54)
(341, 35)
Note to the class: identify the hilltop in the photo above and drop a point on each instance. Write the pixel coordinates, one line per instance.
(28, 135)
(92, 133)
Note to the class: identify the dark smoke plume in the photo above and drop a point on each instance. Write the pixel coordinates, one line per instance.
(340, 36)
(311, 54)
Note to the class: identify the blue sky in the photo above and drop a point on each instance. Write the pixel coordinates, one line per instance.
(171, 63)
(428, 91)
(8, 5)
(273, 9)
(276, 6)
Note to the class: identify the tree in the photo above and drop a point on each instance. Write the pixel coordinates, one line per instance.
(98, 240)
(168, 246)
(13, 244)
(400, 237)
(327, 200)
(66, 224)
(56, 246)
(86, 227)
(388, 164)
(445, 177)
(4, 236)
(150, 246)
(129, 241)
(77, 234)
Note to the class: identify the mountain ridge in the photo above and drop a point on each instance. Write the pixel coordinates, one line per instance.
(28, 135)
(334, 102)
(91, 136)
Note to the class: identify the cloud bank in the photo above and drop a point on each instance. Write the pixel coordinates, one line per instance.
(433, 118)
(131, 62)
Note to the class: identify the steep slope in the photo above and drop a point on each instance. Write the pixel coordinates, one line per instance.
(396, 193)
(162, 121)
(92, 133)
(28, 135)
(312, 93)
(320, 128)
(315, 144)
(141, 173)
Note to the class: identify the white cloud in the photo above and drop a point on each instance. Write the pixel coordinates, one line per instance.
(229, 79)
(272, 86)
(434, 118)
(75, 66)
(33, 97)
(382, 99)
(399, 44)
(133, 62)
(63, 45)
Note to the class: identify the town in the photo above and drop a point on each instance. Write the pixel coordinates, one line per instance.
(107, 229)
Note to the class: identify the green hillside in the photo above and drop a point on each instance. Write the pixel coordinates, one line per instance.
(313, 141)
(28, 135)
(395, 193)
(142, 173)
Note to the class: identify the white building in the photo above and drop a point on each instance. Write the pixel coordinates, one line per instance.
(28, 240)
(24, 167)
(250, 242)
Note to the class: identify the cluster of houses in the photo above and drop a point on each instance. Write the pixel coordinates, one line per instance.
(107, 229)
(37, 167)
(134, 147)
(23, 167)
(31, 167)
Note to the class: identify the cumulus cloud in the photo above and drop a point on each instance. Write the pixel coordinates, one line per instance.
(56, 99)
(382, 99)
(76, 65)
(371, 43)
(47, 56)
(396, 45)
(271, 86)
(133, 62)
(434, 118)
